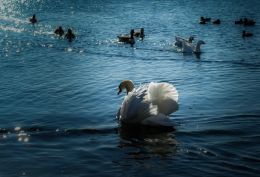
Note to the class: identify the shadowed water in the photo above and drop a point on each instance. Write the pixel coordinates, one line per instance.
(58, 100)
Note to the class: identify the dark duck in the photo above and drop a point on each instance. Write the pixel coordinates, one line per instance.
(140, 33)
(70, 36)
(59, 31)
(127, 39)
(33, 20)
(246, 34)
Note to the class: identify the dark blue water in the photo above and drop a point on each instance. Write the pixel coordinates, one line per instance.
(58, 100)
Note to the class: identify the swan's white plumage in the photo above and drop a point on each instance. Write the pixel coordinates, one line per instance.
(149, 104)
(161, 91)
(190, 48)
(187, 46)
(179, 40)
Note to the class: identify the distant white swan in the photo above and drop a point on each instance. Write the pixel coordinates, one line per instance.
(149, 104)
(191, 48)
(179, 40)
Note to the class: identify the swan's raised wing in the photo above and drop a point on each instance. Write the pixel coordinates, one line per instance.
(165, 96)
(178, 41)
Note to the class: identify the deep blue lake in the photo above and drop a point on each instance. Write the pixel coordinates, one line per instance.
(58, 100)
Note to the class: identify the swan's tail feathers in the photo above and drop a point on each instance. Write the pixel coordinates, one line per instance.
(158, 120)
(165, 96)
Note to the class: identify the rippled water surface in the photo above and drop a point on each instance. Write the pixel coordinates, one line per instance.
(58, 100)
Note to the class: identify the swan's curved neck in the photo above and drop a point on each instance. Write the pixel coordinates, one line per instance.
(132, 34)
(197, 48)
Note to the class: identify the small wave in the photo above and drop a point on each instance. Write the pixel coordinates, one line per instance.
(10, 28)
(157, 49)
(26, 134)
(239, 168)
(241, 116)
(48, 132)
(250, 158)
(42, 32)
(76, 131)
(209, 132)
(236, 63)
(109, 130)
(25, 31)
(14, 20)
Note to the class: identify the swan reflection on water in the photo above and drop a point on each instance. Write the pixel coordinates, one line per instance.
(197, 55)
(144, 142)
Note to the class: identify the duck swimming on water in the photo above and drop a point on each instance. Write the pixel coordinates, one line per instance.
(204, 20)
(127, 39)
(248, 22)
(59, 31)
(216, 22)
(246, 34)
(70, 35)
(239, 22)
(33, 20)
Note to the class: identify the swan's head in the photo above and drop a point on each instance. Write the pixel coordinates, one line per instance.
(201, 42)
(191, 38)
(128, 85)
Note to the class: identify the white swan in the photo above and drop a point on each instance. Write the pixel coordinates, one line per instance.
(179, 40)
(190, 48)
(149, 104)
